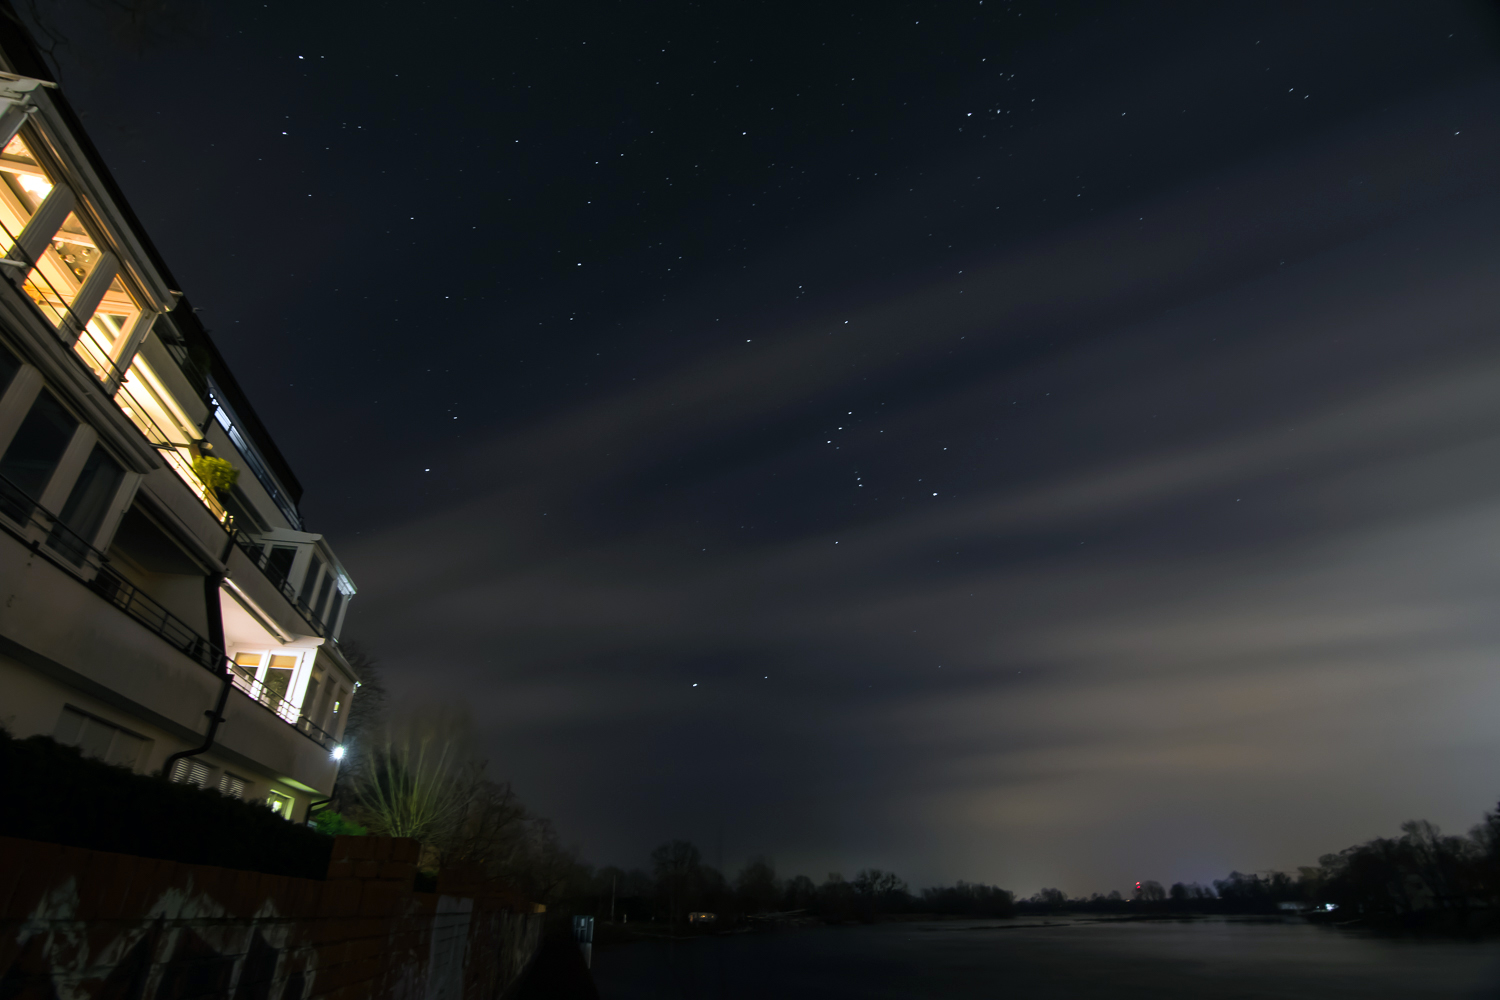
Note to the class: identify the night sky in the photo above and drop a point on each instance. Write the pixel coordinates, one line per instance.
(1040, 444)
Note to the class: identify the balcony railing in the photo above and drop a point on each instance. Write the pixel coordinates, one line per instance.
(31, 524)
(258, 692)
(259, 554)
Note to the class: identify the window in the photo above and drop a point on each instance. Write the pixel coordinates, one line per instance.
(280, 804)
(190, 771)
(61, 269)
(245, 515)
(323, 594)
(23, 186)
(268, 679)
(311, 579)
(104, 333)
(332, 621)
(310, 696)
(232, 785)
(247, 665)
(99, 738)
(9, 365)
(320, 717)
(156, 414)
(34, 452)
(76, 283)
(279, 563)
(87, 504)
(279, 677)
(338, 705)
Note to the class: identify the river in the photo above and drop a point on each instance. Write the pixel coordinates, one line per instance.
(1219, 958)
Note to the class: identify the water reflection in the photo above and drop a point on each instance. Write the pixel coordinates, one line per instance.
(1078, 960)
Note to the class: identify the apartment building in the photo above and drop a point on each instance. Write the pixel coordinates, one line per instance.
(151, 612)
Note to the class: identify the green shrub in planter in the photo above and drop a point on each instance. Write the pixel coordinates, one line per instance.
(332, 824)
(216, 473)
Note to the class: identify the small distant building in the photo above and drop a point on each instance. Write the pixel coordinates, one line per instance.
(702, 917)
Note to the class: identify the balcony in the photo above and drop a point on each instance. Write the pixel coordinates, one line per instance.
(29, 523)
(259, 554)
(137, 392)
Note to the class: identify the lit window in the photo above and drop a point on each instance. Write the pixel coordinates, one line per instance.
(23, 186)
(280, 804)
(246, 665)
(104, 336)
(61, 269)
(151, 407)
(279, 677)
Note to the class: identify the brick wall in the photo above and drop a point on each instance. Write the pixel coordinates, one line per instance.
(80, 924)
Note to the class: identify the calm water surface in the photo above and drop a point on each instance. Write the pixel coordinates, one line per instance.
(1075, 960)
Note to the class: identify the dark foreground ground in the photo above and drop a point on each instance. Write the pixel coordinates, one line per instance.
(557, 973)
(1224, 959)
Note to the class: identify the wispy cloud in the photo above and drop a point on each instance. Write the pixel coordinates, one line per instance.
(1197, 574)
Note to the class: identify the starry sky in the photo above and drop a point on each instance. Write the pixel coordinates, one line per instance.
(1041, 444)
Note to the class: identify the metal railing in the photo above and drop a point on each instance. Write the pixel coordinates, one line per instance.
(29, 522)
(258, 692)
(259, 553)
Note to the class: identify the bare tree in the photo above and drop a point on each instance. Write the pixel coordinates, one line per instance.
(420, 778)
(677, 866)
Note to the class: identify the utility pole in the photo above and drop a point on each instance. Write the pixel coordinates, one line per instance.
(612, 880)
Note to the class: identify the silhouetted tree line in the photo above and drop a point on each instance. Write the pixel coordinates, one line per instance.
(678, 883)
(1423, 877)
(419, 776)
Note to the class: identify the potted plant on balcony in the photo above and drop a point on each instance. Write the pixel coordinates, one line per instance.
(215, 473)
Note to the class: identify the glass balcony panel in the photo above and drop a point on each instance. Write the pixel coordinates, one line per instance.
(61, 270)
(103, 338)
(74, 250)
(23, 185)
(148, 405)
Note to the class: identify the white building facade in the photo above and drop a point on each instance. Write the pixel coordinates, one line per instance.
(145, 616)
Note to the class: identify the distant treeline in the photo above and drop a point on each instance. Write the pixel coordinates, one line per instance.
(1421, 877)
(419, 776)
(679, 883)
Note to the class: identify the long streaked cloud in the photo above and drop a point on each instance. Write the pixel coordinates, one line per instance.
(1255, 613)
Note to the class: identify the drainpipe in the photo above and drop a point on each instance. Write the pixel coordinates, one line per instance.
(321, 804)
(211, 585)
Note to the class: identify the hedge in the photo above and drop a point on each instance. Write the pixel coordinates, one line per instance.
(52, 792)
